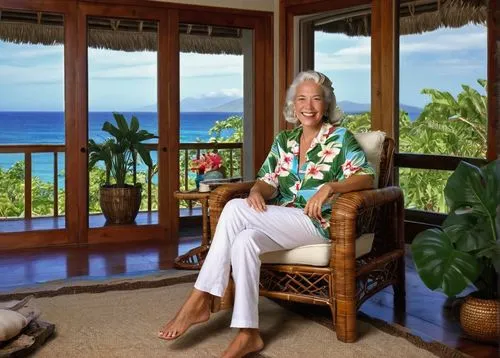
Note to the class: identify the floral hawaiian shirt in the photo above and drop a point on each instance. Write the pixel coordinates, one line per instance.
(334, 155)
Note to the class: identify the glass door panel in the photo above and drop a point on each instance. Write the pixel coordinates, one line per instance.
(122, 102)
(342, 50)
(443, 92)
(215, 99)
(32, 118)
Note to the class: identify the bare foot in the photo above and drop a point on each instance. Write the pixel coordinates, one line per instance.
(195, 310)
(246, 341)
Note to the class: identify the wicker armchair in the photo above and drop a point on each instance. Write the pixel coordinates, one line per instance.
(345, 281)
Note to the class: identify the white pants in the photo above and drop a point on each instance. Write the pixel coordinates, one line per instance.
(242, 234)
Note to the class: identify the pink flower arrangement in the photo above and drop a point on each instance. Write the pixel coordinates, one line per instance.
(207, 163)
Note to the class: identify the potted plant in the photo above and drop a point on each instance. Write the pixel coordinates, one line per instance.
(207, 166)
(119, 201)
(466, 249)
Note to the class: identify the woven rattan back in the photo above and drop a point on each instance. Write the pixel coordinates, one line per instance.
(386, 163)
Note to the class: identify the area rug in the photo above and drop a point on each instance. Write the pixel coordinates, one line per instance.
(120, 318)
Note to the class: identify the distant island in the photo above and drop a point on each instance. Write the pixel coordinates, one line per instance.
(235, 104)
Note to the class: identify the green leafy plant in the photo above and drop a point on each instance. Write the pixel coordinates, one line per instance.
(120, 152)
(466, 249)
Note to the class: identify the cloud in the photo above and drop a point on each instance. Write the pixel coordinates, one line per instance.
(442, 43)
(125, 72)
(197, 65)
(353, 55)
(225, 92)
(31, 75)
(343, 60)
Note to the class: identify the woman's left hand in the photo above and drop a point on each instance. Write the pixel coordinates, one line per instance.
(314, 204)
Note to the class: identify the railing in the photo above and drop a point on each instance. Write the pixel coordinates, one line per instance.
(28, 150)
(188, 151)
(198, 148)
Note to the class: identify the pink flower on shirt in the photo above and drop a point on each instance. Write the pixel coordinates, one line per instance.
(284, 164)
(349, 168)
(295, 187)
(271, 179)
(329, 152)
(326, 131)
(315, 170)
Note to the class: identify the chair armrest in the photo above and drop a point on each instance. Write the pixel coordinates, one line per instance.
(350, 207)
(221, 195)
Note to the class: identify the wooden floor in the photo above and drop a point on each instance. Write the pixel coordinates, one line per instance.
(424, 316)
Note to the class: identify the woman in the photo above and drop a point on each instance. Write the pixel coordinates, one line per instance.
(304, 169)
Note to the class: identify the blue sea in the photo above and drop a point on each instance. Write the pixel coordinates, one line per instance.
(48, 128)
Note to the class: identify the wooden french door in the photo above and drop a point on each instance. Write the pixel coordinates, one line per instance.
(37, 120)
(123, 77)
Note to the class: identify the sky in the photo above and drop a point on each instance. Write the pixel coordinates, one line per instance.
(31, 76)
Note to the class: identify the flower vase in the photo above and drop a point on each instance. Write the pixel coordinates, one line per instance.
(198, 179)
(214, 174)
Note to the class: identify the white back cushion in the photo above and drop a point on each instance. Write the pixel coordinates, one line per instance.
(372, 144)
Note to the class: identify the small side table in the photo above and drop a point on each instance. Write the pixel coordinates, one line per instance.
(193, 259)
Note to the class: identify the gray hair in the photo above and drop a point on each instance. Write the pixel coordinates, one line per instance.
(332, 115)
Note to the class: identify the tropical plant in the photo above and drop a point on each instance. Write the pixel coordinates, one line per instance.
(447, 124)
(466, 249)
(234, 124)
(119, 153)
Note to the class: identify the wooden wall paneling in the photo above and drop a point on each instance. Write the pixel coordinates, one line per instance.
(223, 17)
(169, 129)
(263, 94)
(61, 6)
(306, 7)
(376, 66)
(282, 59)
(270, 89)
(80, 166)
(493, 150)
(73, 154)
(388, 67)
(264, 77)
(158, 4)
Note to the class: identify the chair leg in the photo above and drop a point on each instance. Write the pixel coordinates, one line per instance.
(400, 287)
(345, 321)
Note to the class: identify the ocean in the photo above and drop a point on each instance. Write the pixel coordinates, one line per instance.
(48, 128)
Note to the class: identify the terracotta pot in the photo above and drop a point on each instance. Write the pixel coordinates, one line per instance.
(480, 318)
(120, 205)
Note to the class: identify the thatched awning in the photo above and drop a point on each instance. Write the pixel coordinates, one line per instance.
(116, 34)
(416, 17)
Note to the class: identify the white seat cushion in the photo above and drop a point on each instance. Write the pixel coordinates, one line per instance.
(314, 255)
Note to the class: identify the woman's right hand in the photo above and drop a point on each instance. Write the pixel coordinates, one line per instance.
(256, 201)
